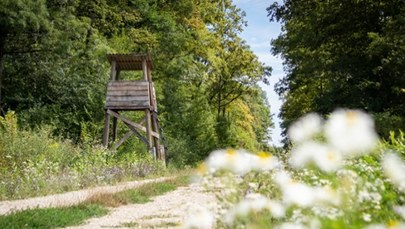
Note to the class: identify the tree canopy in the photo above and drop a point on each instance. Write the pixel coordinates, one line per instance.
(53, 69)
(342, 54)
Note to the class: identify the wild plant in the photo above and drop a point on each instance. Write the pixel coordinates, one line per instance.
(338, 174)
(33, 163)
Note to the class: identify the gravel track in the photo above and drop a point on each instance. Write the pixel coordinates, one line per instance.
(69, 198)
(165, 211)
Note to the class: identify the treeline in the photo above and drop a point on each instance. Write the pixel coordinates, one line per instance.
(342, 53)
(53, 69)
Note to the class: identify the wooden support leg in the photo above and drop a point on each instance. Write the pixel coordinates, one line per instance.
(114, 129)
(106, 129)
(148, 129)
(156, 140)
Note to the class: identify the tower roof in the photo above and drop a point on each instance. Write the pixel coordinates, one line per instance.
(130, 61)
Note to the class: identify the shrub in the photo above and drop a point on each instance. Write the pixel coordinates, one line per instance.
(344, 179)
(33, 163)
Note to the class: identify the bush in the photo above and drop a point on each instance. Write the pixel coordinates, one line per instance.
(344, 179)
(33, 163)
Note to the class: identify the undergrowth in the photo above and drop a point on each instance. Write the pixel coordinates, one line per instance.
(337, 174)
(32, 163)
(51, 217)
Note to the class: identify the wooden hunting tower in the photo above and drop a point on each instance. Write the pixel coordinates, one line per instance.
(133, 95)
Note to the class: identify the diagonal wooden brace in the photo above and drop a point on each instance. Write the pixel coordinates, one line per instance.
(131, 123)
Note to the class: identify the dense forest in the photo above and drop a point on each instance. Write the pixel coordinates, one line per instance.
(342, 54)
(54, 69)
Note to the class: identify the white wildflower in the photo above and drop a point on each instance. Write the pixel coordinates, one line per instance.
(351, 132)
(277, 209)
(216, 160)
(282, 178)
(302, 194)
(326, 195)
(240, 163)
(305, 128)
(236, 161)
(254, 203)
(329, 160)
(326, 158)
(299, 194)
(366, 217)
(394, 169)
(253, 185)
(304, 154)
(202, 219)
(264, 161)
(327, 212)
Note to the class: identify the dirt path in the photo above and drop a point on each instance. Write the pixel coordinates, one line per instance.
(166, 211)
(69, 198)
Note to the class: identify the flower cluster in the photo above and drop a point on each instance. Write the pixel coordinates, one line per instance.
(331, 179)
(238, 161)
(349, 133)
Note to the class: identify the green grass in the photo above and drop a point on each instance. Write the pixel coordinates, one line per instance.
(51, 217)
(93, 207)
(138, 195)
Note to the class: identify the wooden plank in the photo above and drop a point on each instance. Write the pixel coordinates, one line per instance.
(127, 108)
(129, 83)
(144, 99)
(123, 139)
(142, 138)
(145, 69)
(113, 70)
(149, 73)
(127, 93)
(127, 121)
(148, 128)
(127, 104)
(156, 140)
(106, 129)
(153, 97)
(114, 129)
(127, 88)
(130, 61)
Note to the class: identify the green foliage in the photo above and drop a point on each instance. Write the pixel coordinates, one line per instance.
(366, 195)
(387, 122)
(53, 70)
(32, 163)
(60, 217)
(341, 54)
(396, 142)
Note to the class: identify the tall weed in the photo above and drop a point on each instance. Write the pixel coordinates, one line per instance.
(33, 163)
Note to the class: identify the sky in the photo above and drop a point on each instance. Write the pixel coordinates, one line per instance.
(258, 35)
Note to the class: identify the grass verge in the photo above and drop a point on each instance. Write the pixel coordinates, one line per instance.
(141, 194)
(52, 217)
(94, 207)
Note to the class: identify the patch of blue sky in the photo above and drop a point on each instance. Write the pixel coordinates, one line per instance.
(258, 34)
